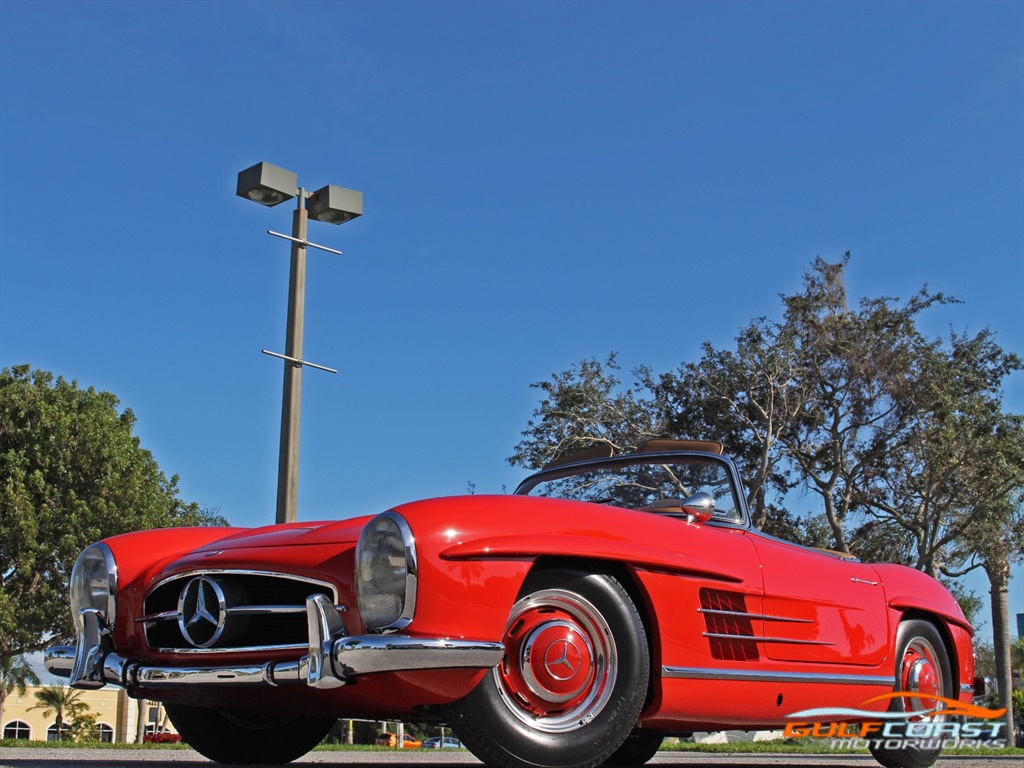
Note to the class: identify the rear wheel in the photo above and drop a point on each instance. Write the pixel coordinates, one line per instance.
(231, 737)
(573, 680)
(923, 669)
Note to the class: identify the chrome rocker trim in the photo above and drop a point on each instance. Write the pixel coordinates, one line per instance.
(334, 658)
(762, 676)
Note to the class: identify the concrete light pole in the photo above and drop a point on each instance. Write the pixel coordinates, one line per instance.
(269, 185)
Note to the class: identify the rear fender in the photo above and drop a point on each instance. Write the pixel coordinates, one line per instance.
(912, 594)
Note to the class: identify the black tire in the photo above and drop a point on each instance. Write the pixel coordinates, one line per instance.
(573, 680)
(637, 749)
(922, 666)
(228, 737)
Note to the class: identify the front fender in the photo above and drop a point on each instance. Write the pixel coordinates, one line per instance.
(475, 552)
(139, 554)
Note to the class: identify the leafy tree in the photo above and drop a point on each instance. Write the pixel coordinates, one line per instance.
(66, 706)
(819, 400)
(984, 659)
(969, 601)
(71, 473)
(860, 370)
(957, 454)
(15, 675)
(82, 726)
(746, 399)
(582, 408)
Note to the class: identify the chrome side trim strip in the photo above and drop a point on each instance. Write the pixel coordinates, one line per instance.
(755, 676)
(744, 615)
(966, 688)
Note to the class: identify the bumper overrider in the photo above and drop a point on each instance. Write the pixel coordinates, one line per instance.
(334, 659)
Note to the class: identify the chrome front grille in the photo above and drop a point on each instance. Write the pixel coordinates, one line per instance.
(224, 610)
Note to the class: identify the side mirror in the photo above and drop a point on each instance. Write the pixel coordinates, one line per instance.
(700, 507)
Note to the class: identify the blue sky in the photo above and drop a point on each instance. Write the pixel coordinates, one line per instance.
(543, 182)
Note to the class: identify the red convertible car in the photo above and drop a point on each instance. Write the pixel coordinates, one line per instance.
(609, 602)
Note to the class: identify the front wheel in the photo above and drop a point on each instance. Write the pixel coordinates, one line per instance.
(572, 682)
(227, 737)
(922, 669)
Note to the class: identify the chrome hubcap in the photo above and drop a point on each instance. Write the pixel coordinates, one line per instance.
(560, 661)
(921, 674)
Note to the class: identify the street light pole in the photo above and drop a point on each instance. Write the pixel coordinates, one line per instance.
(269, 185)
(291, 400)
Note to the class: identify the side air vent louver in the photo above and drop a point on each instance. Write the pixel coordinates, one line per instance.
(729, 626)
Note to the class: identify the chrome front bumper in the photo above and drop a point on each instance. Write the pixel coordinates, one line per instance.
(334, 658)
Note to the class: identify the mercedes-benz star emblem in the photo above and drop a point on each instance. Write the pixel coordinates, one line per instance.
(562, 659)
(202, 611)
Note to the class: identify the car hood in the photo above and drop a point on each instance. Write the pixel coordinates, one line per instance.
(291, 535)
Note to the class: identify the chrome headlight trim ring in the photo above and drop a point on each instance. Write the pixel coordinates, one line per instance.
(410, 576)
(87, 591)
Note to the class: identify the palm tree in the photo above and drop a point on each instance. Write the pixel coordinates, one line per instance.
(61, 700)
(15, 675)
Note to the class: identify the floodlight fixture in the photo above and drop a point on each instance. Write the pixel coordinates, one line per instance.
(267, 184)
(335, 205)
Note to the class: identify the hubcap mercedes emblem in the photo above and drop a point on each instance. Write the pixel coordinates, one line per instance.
(202, 611)
(562, 660)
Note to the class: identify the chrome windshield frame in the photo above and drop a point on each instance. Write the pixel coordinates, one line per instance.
(635, 459)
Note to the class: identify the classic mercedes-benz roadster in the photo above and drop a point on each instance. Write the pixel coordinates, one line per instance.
(608, 602)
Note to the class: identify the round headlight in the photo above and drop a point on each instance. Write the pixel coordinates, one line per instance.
(386, 573)
(94, 584)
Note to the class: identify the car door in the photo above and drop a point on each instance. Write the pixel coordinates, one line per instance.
(820, 607)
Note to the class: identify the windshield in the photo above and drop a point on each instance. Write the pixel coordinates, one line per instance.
(642, 482)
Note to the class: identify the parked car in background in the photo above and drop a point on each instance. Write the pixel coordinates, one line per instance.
(609, 602)
(386, 739)
(436, 742)
(161, 738)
